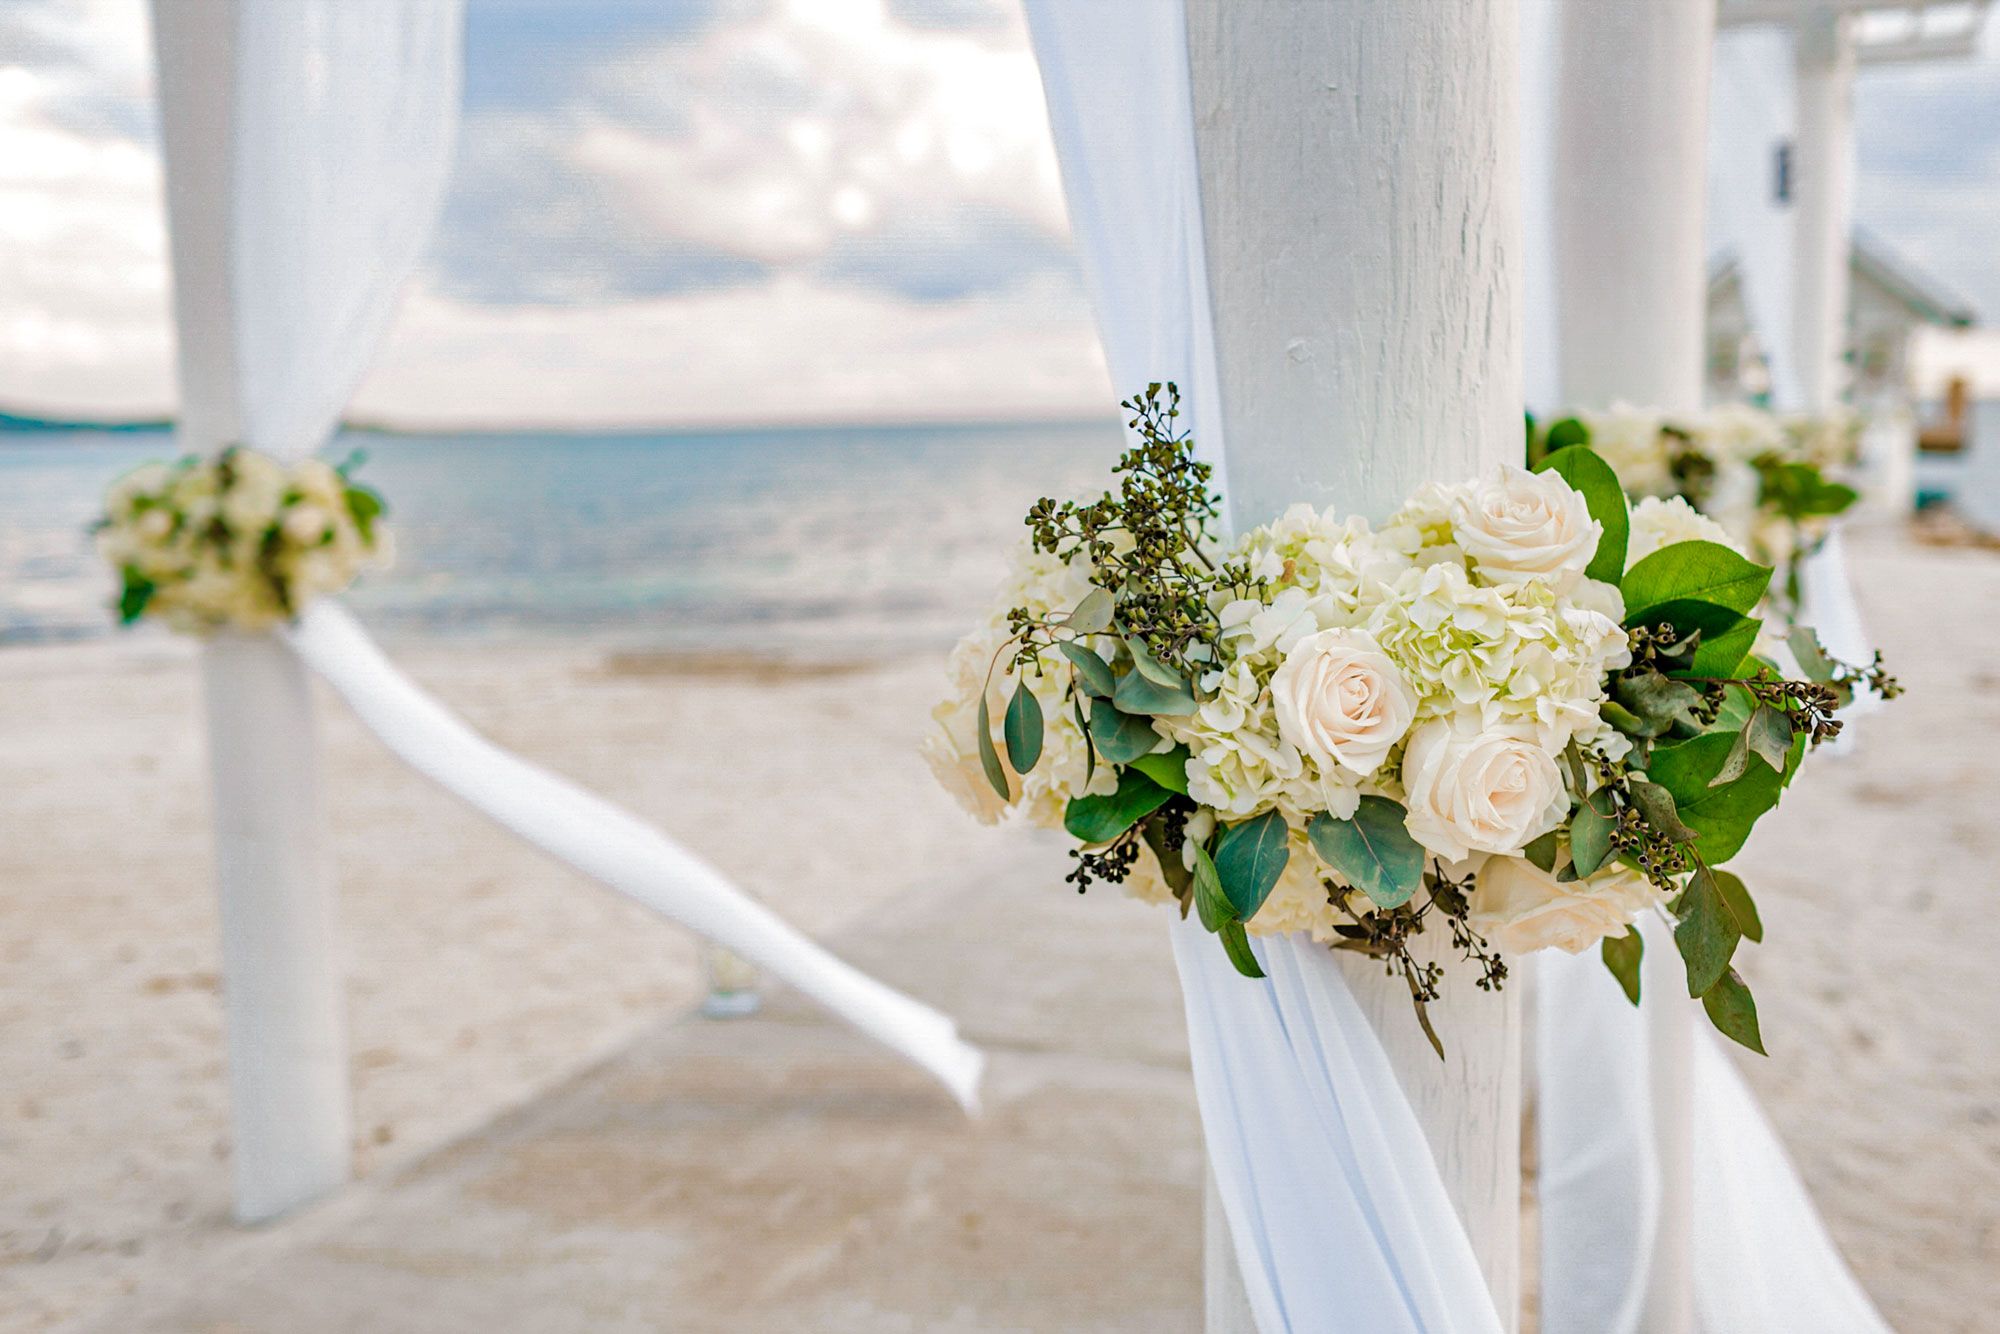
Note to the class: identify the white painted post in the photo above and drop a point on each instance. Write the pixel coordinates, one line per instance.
(1823, 175)
(1360, 181)
(281, 980)
(1630, 187)
(281, 974)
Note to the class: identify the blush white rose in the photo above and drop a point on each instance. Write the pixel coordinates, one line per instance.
(1480, 790)
(1518, 526)
(1521, 908)
(1342, 701)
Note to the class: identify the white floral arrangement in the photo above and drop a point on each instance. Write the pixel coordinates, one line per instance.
(238, 540)
(1518, 711)
(1773, 483)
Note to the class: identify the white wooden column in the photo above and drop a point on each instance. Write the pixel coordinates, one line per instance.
(1360, 182)
(1823, 175)
(1630, 187)
(282, 997)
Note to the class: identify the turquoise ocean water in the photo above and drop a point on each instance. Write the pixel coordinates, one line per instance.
(850, 541)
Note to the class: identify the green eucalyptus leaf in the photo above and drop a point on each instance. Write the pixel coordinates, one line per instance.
(1093, 614)
(1592, 478)
(989, 759)
(1541, 853)
(1706, 933)
(1093, 674)
(1139, 693)
(1169, 770)
(1374, 851)
(1250, 857)
(1089, 746)
(1659, 701)
(1149, 666)
(1661, 811)
(1237, 944)
(1733, 1011)
(1735, 763)
(1622, 955)
(1721, 817)
(1813, 660)
(1120, 737)
(1736, 897)
(1099, 819)
(1723, 637)
(1590, 831)
(1770, 736)
(1023, 728)
(1693, 572)
(1211, 904)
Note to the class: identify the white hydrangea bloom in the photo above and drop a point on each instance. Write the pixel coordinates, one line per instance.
(1631, 440)
(1044, 586)
(1660, 523)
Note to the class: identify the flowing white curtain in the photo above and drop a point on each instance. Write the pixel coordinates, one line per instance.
(307, 147)
(1338, 1214)
(1762, 1259)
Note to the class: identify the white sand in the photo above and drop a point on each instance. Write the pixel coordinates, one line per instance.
(478, 971)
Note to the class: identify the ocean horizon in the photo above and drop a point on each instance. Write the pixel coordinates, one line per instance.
(811, 541)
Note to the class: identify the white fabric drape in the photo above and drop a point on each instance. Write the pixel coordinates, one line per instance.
(1338, 1214)
(307, 147)
(1762, 1258)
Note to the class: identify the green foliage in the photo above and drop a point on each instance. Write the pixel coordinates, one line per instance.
(1139, 693)
(989, 759)
(1212, 906)
(1693, 572)
(1169, 770)
(1250, 857)
(1236, 943)
(1592, 477)
(1706, 932)
(1145, 544)
(135, 593)
(366, 505)
(1565, 434)
(1721, 816)
(1093, 614)
(1736, 897)
(1120, 737)
(1099, 819)
(1590, 831)
(1023, 728)
(1093, 674)
(1733, 1011)
(1622, 955)
(1373, 851)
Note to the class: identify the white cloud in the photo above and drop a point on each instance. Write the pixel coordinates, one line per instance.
(83, 296)
(791, 348)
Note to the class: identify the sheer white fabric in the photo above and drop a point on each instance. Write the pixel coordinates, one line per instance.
(307, 145)
(612, 846)
(1339, 1217)
(1762, 1258)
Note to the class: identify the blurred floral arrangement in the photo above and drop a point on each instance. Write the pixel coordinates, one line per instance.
(1772, 482)
(237, 540)
(1517, 712)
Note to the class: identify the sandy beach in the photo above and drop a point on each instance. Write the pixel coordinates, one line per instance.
(479, 972)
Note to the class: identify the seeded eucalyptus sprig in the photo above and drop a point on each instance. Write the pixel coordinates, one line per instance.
(1151, 542)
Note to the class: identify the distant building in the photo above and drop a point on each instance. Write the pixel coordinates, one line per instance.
(1888, 302)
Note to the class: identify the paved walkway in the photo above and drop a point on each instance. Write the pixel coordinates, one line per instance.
(783, 1173)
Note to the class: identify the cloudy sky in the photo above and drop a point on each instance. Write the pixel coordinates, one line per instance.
(721, 210)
